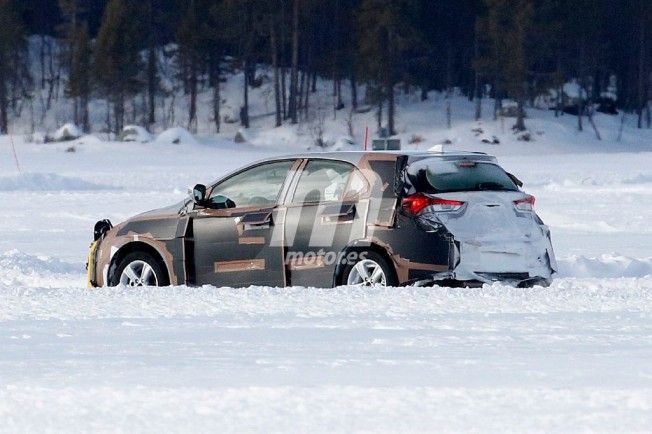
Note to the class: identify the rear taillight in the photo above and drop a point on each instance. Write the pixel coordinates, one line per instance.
(525, 204)
(417, 202)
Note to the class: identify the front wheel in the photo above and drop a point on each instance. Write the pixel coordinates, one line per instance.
(370, 269)
(139, 269)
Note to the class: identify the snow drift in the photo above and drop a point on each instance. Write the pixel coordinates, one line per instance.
(175, 136)
(605, 266)
(66, 133)
(48, 182)
(135, 133)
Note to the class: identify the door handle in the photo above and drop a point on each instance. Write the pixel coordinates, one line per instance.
(266, 223)
(336, 213)
(258, 220)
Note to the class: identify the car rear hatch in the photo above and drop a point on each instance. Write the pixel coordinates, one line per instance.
(497, 234)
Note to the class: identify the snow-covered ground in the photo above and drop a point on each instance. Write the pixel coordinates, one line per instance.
(574, 357)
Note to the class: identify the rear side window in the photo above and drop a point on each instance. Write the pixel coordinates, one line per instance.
(442, 176)
(322, 181)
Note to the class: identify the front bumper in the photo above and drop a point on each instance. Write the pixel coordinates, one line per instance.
(99, 231)
(513, 261)
(90, 264)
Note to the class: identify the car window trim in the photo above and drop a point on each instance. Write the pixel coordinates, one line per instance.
(280, 197)
(289, 200)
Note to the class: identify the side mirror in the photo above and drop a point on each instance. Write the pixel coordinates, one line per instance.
(221, 202)
(199, 194)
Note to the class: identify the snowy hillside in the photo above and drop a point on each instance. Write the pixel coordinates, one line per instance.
(422, 122)
(569, 358)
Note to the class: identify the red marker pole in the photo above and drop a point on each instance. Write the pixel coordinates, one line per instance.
(13, 148)
(366, 137)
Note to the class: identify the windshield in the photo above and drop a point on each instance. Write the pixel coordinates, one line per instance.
(441, 176)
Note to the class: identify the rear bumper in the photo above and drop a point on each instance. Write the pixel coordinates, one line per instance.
(512, 262)
(493, 241)
(519, 262)
(519, 280)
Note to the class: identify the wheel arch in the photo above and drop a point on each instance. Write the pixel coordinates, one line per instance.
(361, 246)
(137, 246)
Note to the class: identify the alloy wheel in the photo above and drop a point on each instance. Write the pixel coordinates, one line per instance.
(138, 273)
(367, 273)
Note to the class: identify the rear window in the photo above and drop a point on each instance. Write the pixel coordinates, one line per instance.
(442, 176)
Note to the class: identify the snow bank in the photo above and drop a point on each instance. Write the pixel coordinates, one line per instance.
(638, 179)
(346, 307)
(324, 409)
(47, 182)
(572, 89)
(134, 133)
(67, 132)
(606, 179)
(30, 264)
(175, 136)
(605, 266)
(19, 270)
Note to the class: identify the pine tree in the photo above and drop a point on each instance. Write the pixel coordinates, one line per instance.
(508, 26)
(242, 25)
(386, 36)
(79, 83)
(118, 63)
(644, 71)
(549, 56)
(152, 69)
(215, 41)
(274, 50)
(523, 48)
(294, 71)
(585, 21)
(190, 57)
(77, 61)
(13, 59)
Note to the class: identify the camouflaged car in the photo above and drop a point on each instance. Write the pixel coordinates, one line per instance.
(345, 218)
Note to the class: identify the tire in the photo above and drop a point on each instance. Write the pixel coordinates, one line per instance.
(367, 260)
(144, 267)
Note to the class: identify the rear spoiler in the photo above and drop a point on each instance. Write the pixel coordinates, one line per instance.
(515, 180)
(400, 189)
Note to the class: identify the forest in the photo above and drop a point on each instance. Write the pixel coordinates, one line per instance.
(521, 51)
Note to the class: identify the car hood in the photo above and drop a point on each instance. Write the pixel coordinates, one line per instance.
(165, 212)
(161, 223)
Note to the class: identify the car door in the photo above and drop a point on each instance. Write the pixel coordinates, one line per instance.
(237, 238)
(324, 214)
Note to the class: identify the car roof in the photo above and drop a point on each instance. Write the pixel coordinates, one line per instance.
(355, 156)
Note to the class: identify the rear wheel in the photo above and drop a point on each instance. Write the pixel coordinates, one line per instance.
(370, 269)
(139, 269)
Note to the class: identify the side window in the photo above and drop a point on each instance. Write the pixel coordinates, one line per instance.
(258, 186)
(324, 181)
(357, 185)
